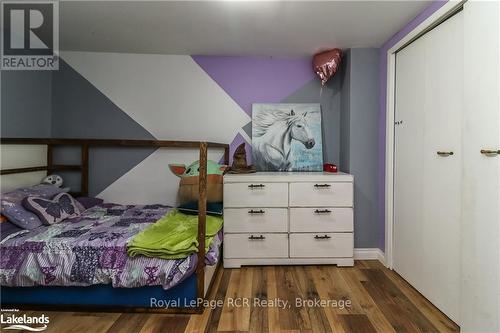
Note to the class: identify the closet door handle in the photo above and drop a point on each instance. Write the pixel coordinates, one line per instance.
(445, 153)
(490, 152)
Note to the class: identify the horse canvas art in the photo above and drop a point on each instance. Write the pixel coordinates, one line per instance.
(287, 137)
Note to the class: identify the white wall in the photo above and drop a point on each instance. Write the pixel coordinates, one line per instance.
(21, 156)
(171, 97)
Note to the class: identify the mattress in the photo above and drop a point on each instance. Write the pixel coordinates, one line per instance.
(91, 250)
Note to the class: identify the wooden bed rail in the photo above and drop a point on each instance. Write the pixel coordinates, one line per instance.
(111, 142)
(85, 144)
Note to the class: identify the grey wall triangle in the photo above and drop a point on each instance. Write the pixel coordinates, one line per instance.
(26, 104)
(80, 110)
(329, 98)
(248, 129)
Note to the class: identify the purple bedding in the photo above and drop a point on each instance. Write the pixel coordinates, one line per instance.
(91, 249)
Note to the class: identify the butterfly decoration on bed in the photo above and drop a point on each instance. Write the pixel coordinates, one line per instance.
(64, 204)
(61, 207)
(48, 273)
(151, 272)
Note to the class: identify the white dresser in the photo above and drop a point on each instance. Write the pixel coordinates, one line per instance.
(288, 218)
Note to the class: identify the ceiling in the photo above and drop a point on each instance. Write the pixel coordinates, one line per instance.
(267, 28)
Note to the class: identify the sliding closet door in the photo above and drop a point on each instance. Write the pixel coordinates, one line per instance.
(408, 162)
(442, 195)
(429, 93)
(480, 297)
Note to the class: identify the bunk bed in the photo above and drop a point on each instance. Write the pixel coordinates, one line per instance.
(185, 297)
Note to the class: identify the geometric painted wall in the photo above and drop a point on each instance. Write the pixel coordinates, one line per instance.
(140, 96)
(168, 97)
(117, 95)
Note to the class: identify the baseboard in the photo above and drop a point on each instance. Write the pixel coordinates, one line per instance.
(369, 254)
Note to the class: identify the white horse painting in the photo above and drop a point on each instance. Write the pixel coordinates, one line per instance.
(273, 133)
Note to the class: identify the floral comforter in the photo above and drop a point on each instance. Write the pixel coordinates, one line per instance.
(92, 249)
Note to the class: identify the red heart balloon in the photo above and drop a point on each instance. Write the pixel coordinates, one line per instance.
(326, 64)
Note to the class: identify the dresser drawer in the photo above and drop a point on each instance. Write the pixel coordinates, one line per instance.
(255, 219)
(256, 245)
(321, 219)
(256, 194)
(321, 194)
(321, 245)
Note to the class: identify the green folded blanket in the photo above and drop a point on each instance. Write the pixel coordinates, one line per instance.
(174, 236)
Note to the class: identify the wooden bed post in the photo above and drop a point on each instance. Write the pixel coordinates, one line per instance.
(226, 155)
(202, 216)
(49, 159)
(84, 186)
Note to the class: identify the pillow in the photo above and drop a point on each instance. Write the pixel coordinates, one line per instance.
(7, 228)
(13, 209)
(88, 202)
(214, 208)
(79, 206)
(60, 208)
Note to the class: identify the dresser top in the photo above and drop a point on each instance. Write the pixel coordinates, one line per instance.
(272, 177)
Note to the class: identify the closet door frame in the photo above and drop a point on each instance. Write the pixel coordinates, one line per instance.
(432, 20)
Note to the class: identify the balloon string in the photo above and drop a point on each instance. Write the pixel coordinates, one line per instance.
(320, 92)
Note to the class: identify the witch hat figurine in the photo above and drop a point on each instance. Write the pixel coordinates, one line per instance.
(240, 161)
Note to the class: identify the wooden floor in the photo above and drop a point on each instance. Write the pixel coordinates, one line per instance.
(380, 302)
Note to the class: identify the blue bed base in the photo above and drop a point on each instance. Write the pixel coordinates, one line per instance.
(184, 296)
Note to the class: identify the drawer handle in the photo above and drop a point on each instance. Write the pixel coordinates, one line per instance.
(322, 237)
(260, 211)
(445, 153)
(252, 186)
(322, 185)
(252, 237)
(322, 211)
(490, 152)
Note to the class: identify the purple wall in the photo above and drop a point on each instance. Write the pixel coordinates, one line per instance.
(257, 79)
(250, 80)
(383, 100)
